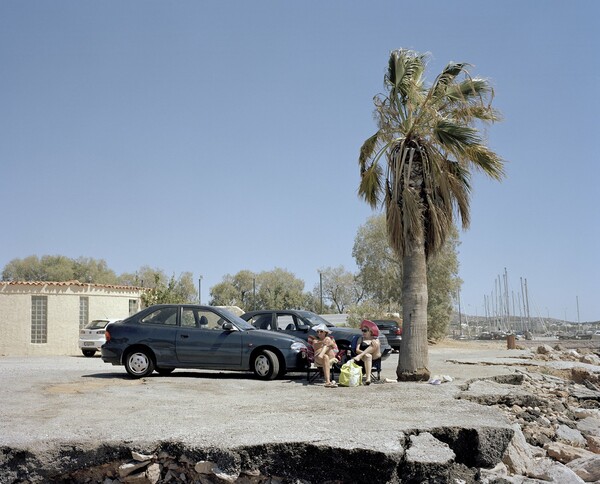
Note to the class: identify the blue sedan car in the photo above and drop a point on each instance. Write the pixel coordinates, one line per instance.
(164, 337)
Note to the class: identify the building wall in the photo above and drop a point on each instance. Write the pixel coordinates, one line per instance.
(63, 302)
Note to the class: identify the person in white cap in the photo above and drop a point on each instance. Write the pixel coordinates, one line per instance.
(325, 352)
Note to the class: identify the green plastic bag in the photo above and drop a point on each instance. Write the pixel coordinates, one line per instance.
(350, 374)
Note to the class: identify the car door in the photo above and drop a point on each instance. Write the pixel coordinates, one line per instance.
(201, 340)
(290, 324)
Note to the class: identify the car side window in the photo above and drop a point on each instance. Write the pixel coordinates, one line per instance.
(209, 320)
(166, 316)
(188, 318)
(261, 321)
(286, 322)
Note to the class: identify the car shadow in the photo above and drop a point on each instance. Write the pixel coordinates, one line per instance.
(176, 375)
(201, 374)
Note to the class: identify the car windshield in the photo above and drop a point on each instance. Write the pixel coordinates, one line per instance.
(97, 324)
(314, 319)
(239, 322)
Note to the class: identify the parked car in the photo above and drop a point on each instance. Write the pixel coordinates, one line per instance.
(91, 337)
(169, 336)
(300, 324)
(391, 330)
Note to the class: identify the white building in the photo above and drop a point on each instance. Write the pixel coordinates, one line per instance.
(44, 318)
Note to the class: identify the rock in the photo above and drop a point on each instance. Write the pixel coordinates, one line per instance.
(544, 350)
(593, 443)
(570, 436)
(581, 413)
(498, 473)
(425, 448)
(548, 470)
(223, 476)
(566, 453)
(544, 421)
(153, 473)
(205, 467)
(537, 435)
(429, 456)
(139, 478)
(589, 426)
(590, 359)
(519, 454)
(130, 467)
(587, 468)
(141, 457)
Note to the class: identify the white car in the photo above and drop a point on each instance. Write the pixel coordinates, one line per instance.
(91, 337)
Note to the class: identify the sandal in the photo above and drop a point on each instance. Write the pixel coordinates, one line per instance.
(331, 384)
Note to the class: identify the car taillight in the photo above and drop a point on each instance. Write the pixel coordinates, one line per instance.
(399, 331)
(107, 336)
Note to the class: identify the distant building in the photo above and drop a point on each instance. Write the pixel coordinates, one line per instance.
(44, 318)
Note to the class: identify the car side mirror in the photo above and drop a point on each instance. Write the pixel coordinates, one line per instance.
(303, 327)
(227, 326)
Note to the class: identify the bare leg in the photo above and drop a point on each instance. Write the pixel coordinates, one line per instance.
(326, 369)
(368, 360)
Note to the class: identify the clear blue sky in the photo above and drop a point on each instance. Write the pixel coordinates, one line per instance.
(217, 136)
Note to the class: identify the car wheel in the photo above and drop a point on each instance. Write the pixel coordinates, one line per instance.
(164, 371)
(266, 365)
(88, 353)
(139, 363)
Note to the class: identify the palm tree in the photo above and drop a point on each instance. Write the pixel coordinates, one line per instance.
(430, 143)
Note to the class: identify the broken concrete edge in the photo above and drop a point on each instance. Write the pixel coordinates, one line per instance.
(471, 448)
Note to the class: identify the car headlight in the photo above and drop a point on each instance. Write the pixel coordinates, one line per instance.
(298, 347)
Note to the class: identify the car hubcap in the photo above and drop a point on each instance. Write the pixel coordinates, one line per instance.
(262, 365)
(138, 362)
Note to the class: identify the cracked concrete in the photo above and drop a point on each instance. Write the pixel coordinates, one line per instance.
(61, 414)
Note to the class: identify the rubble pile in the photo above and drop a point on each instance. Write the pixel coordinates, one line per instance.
(555, 412)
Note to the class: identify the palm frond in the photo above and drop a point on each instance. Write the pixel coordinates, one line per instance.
(393, 216)
(367, 150)
(446, 78)
(453, 136)
(459, 181)
(469, 89)
(405, 70)
(467, 113)
(486, 161)
(412, 215)
(371, 185)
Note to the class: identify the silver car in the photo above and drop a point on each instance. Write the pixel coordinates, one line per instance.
(91, 337)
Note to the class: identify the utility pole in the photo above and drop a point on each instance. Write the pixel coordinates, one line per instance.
(321, 289)
(200, 290)
(459, 316)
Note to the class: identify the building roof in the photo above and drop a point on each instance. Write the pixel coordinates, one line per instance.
(72, 283)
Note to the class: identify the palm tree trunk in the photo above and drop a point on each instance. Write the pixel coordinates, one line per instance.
(414, 358)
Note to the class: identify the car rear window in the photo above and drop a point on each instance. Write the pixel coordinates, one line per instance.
(97, 324)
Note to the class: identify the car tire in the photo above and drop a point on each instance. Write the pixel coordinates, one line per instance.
(266, 365)
(139, 364)
(164, 371)
(88, 353)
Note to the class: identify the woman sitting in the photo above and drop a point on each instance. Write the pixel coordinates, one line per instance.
(325, 352)
(368, 347)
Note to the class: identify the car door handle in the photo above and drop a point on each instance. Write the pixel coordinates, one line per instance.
(184, 336)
